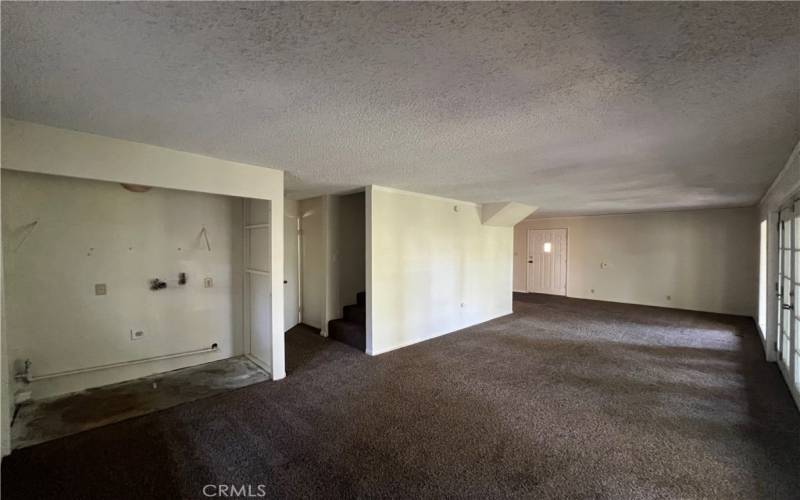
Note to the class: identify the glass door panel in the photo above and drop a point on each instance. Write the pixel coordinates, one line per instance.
(791, 346)
(786, 290)
(788, 295)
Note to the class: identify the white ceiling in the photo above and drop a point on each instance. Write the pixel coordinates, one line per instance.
(575, 108)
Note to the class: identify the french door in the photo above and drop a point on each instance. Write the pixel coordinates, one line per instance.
(788, 324)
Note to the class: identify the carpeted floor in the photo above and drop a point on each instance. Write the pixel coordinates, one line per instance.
(562, 399)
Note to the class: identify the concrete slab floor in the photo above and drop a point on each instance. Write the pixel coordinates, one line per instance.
(47, 419)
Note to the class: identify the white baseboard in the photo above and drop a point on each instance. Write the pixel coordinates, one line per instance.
(434, 335)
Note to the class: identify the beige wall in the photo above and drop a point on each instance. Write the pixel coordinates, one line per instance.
(313, 213)
(433, 268)
(92, 232)
(37, 148)
(704, 260)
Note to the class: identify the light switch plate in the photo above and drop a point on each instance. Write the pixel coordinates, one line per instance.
(100, 289)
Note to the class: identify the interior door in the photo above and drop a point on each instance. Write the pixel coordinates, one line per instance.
(547, 261)
(291, 274)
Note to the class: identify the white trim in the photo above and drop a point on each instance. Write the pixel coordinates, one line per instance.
(368, 266)
(256, 226)
(407, 343)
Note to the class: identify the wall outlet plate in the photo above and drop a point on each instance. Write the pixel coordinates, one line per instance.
(137, 334)
(100, 289)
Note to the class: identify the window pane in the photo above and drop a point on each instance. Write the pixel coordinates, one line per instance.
(787, 233)
(785, 350)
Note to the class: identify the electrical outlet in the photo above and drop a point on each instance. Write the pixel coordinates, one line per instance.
(100, 289)
(137, 334)
(208, 283)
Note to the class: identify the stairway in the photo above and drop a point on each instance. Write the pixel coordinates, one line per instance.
(352, 329)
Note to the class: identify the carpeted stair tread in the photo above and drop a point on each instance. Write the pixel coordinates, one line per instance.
(348, 332)
(356, 313)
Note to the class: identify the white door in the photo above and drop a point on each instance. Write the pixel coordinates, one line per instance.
(547, 261)
(291, 274)
(788, 344)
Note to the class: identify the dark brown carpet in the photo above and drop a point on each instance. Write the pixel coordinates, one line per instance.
(563, 399)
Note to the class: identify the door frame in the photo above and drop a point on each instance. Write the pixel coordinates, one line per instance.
(789, 369)
(528, 256)
(299, 270)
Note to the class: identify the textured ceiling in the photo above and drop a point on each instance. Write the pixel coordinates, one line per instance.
(575, 108)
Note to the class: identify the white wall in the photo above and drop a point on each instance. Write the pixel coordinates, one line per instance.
(37, 148)
(313, 215)
(97, 232)
(431, 269)
(705, 260)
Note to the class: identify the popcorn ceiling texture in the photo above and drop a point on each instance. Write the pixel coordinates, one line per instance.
(575, 108)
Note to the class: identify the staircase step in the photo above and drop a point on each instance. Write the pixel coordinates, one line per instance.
(361, 298)
(356, 314)
(349, 332)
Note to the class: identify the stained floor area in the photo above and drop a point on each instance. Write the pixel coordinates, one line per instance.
(563, 399)
(53, 418)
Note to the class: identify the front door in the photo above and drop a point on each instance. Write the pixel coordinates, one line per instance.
(547, 261)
